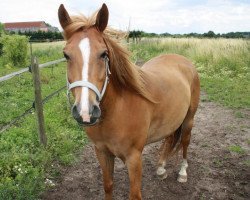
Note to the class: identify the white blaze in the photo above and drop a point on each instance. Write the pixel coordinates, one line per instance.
(84, 102)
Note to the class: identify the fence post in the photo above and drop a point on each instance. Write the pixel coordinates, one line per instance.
(38, 101)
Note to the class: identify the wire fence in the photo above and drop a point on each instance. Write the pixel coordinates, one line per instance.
(11, 75)
(29, 110)
(16, 119)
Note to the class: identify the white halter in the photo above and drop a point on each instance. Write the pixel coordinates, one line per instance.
(90, 85)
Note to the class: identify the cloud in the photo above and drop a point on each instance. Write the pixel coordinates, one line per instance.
(29, 10)
(178, 16)
(219, 17)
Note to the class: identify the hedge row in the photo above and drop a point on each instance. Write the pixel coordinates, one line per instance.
(14, 50)
(41, 35)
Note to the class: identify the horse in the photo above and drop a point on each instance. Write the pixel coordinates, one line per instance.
(124, 107)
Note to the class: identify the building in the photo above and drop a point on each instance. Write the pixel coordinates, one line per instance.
(29, 27)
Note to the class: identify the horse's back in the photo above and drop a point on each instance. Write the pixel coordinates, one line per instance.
(171, 65)
(170, 72)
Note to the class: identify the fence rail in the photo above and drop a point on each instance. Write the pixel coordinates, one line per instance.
(51, 63)
(11, 75)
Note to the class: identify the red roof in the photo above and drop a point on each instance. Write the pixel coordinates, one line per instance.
(39, 24)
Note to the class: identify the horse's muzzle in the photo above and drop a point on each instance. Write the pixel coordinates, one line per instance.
(94, 113)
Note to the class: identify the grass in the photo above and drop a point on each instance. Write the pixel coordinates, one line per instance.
(223, 64)
(25, 165)
(239, 114)
(247, 163)
(48, 51)
(217, 162)
(236, 149)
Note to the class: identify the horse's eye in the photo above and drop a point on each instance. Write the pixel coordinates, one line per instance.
(66, 56)
(104, 55)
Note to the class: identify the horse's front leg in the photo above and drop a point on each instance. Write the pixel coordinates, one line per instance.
(134, 164)
(106, 161)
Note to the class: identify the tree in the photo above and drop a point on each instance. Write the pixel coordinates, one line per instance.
(209, 34)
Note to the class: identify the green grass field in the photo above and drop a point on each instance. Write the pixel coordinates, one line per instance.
(223, 65)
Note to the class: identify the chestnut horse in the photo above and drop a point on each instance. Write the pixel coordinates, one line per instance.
(125, 107)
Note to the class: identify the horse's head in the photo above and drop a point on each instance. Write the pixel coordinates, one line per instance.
(88, 66)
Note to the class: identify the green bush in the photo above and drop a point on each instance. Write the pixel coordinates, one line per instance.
(14, 50)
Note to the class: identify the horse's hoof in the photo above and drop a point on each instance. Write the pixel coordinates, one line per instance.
(164, 176)
(162, 173)
(182, 178)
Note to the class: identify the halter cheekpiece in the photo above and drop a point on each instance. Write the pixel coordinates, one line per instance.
(99, 94)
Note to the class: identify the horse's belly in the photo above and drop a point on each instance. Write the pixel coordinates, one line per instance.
(158, 132)
(169, 121)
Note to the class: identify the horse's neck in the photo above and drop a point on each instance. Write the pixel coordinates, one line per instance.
(109, 100)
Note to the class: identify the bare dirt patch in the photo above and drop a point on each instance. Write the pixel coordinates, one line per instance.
(219, 164)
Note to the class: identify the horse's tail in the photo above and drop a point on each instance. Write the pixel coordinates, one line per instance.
(182, 133)
(176, 143)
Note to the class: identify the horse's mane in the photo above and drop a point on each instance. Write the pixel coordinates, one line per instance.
(124, 74)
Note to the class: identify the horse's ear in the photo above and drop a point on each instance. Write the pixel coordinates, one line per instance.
(102, 18)
(63, 16)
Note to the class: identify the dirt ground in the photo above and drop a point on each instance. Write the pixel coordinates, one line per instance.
(215, 171)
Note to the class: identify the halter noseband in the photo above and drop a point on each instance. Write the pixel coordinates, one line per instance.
(90, 85)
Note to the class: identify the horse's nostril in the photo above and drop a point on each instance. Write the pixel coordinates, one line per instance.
(75, 112)
(96, 111)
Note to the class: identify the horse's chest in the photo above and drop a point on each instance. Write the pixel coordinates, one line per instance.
(106, 142)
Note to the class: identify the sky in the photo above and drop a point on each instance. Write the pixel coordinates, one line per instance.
(159, 16)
